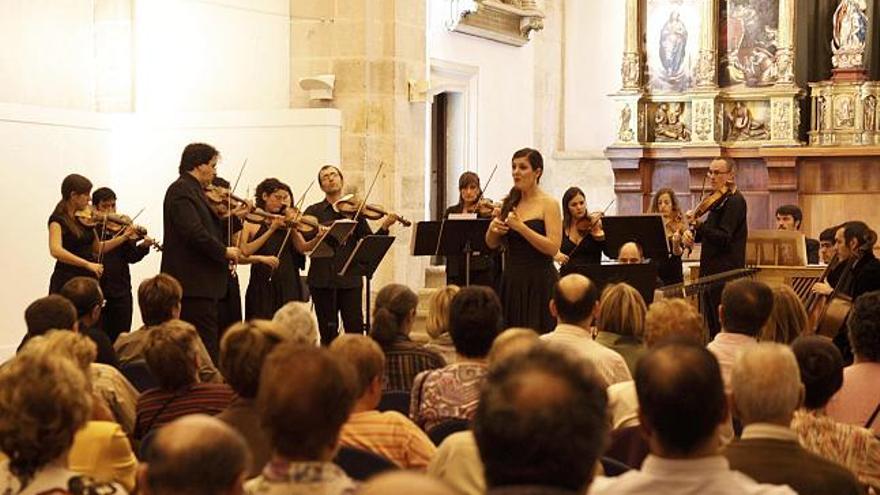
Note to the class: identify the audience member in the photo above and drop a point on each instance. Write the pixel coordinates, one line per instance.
(858, 402)
(387, 434)
(767, 390)
(195, 455)
(621, 322)
(393, 315)
(44, 401)
(306, 395)
(452, 392)
(52, 312)
(790, 217)
(86, 296)
(745, 306)
(297, 318)
(681, 405)
(397, 482)
(630, 254)
(575, 304)
(437, 323)
(243, 351)
(854, 447)
(541, 423)
(788, 318)
(512, 341)
(159, 302)
(172, 357)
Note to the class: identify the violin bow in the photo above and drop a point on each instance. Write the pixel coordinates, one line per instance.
(101, 245)
(131, 223)
(488, 181)
(591, 228)
(290, 228)
(369, 191)
(233, 266)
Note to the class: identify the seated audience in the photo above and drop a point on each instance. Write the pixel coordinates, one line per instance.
(858, 401)
(681, 405)
(666, 318)
(44, 402)
(297, 318)
(172, 357)
(306, 395)
(404, 482)
(854, 447)
(437, 323)
(541, 423)
(767, 390)
(745, 306)
(452, 392)
(86, 296)
(788, 318)
(387, 434)
(630, 254)
(512, 341)
(393, 315)
(790, 217)
(243, 351)
(159, 302)
(621, 322)
(195, 455)
(575, 304)
(52, 312)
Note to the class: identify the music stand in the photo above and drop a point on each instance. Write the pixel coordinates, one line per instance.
(646, 230)
(776, 248)
(452, 237)
(364, 261)
(335, 237)
(641, 276)
(424, 239)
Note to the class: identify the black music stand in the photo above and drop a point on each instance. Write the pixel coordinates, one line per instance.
(364, 261)
(452, 237)
(424, 239)
(646, 230)
(642, 276)
(335, 237)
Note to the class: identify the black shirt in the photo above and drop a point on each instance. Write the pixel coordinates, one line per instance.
(78, 245)
(723, 236)
(116, 281)
(588, 252)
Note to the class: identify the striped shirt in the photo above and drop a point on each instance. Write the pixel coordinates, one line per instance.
(156, 407)
(404, 359)
(390, 435)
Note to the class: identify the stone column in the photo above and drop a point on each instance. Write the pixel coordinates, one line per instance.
(630, 70)
(114, 67)
(785, 39)
(706, 72)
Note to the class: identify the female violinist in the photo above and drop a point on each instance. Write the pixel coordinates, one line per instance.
(275, 251)
(483, 265)
(76, 247)
(583, 239)
(666, 204)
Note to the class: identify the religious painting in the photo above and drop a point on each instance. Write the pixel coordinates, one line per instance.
(672, 43)
(670, 122)
(746, 121)
(748, 42)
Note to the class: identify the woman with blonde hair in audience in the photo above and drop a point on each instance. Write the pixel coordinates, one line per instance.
(44, 402)
(621, 322)
(394, 313)
(437, 323)
(788, 319)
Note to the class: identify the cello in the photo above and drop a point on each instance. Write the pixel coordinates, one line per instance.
(839, 304)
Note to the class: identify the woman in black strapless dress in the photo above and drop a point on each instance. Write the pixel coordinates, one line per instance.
(531, 223)
(579, 248)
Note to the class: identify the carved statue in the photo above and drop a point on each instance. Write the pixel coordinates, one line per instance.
(821, 109)
(673, 44)
(624, 133)
(850, 34)
(743, 127)
(871, 113)
(844, 113)
(667, 123)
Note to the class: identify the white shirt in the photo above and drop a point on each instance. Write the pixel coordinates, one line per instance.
(701, 476)
(611, 365)
(726, 346)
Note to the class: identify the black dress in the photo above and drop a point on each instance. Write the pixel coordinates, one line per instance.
(265, 296)
(587, 252)
(527, 283)
(670, 269)
(80, 246)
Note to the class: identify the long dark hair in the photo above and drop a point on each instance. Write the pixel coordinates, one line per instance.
(515, 195)
(466, 179)
(393, 304)
(269, 186)
(72, 184)
(569, 195)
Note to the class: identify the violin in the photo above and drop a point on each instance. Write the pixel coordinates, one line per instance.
(303, 223)
(710, 202)
(484, 208)
(349, 205)
(220, 199)
(112, 222)
(589, 221)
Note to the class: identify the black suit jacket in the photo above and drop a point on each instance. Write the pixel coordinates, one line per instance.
(193, 249)
(781, 462)
(723, 236)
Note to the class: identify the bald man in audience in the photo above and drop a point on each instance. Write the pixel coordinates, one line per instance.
(397, 482)
(630, 254)
(195, 455)
(767, 390)
(681, 405)
(575, 306)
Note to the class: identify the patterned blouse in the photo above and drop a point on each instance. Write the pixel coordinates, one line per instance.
(301, 478)
(451, 392)
(853, 447)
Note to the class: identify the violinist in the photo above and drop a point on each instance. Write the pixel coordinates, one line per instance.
(484, 266)
(276, 252)
(116, 282)
(194, 249)
(583, 240)
(75, 246)
(331, 292)
(723, 234)
(666, 204)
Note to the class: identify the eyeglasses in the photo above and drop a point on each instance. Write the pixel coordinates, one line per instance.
(712, 173)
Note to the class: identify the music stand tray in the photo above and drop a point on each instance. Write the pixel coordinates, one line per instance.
(452, 237)
(336, 236)
(364, 261)
(646, 230)
(641, 276)
(424, 239)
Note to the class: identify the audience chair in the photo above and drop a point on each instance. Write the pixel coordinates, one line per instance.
(395, 401)
(447, 427)
(360, 464)
(139, 375)
(613, 467)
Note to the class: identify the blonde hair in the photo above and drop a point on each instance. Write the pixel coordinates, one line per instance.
(364, 354)
(44, 401)
(788, 318)
(244, 349)
(673, 317)
(622, 311)
(80, 349)
(510, 342)
(437, 322)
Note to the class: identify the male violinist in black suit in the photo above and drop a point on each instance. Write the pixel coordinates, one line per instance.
(723, 235)
(194, 252)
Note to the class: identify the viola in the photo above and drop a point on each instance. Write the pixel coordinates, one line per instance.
(295, 219)
(220, 199)
(349, 205)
